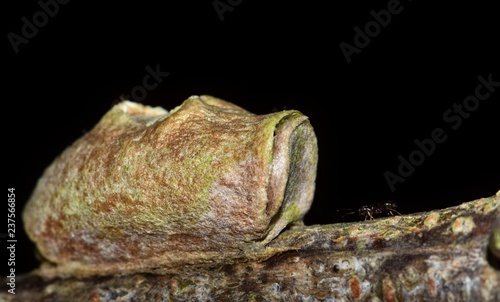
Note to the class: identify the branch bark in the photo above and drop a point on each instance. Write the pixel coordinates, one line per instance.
(451, 254)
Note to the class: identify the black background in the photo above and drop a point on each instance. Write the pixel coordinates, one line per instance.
(267, 57)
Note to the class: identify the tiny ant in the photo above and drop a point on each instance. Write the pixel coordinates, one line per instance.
(383, 207)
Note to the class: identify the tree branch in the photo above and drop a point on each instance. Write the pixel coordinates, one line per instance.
(451, 254)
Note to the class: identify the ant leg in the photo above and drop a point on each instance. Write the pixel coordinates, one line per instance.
(391, 212)
(370, 215)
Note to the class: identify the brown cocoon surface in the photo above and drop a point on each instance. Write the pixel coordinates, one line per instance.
(147, 189)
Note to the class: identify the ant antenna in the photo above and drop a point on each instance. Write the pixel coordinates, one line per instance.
(353, 211)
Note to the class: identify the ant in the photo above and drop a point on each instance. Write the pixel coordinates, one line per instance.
(382, 207)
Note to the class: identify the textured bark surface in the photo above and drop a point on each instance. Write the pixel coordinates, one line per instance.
(444, 255)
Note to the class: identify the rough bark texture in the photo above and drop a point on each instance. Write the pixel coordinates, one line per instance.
(444, 255)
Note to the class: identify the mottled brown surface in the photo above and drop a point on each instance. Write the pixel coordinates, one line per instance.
(441, 255)
(206, 181)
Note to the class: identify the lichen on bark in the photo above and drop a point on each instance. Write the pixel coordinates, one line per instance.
(440, 255)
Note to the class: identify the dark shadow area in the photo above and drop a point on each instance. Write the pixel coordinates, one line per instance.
(493, 259)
